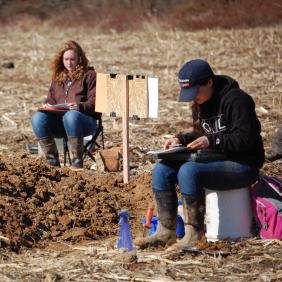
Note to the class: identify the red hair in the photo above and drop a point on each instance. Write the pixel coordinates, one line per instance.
(59, 72)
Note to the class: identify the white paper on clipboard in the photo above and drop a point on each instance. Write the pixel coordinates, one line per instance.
(153, 93)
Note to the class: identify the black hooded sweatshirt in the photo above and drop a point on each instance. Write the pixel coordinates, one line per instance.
(229, 121)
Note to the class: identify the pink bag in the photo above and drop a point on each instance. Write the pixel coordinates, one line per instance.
(267, 205)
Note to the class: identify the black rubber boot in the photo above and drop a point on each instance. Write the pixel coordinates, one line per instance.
(77, 149)
(50, 150)
(166, 203)
(193, 213)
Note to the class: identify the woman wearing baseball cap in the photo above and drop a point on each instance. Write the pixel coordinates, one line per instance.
(225, 120)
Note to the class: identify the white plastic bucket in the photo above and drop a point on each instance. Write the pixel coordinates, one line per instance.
(228, 214)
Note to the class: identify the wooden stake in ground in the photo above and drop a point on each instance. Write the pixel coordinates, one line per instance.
(126, 95)
(125, 127)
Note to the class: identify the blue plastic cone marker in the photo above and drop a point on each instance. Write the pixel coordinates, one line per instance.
(180, 208)
(125, 240)
(180, 231)
(154, 224)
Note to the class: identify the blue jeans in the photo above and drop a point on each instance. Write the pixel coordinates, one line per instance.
(73, 124)
(192, 177)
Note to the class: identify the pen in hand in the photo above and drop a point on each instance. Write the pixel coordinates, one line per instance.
(175, 145)
(172, 142)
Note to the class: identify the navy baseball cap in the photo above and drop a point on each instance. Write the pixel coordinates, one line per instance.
(190, 77)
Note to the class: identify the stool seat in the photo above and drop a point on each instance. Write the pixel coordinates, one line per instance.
(228, 214)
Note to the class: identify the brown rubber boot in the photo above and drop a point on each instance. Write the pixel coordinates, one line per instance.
(50, 150)
(193, 212)
(166, 203)
(77, 149)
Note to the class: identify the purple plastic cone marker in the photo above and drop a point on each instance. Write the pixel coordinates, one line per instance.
(125, 240)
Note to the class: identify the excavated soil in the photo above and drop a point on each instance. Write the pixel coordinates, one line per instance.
(61, 225)
(40, 203)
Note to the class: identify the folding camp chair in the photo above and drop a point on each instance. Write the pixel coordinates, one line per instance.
(90, 145)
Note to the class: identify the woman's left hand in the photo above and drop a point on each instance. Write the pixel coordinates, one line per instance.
(200, 143)
(73, 106)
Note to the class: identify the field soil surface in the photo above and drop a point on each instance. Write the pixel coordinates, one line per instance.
(61, 225)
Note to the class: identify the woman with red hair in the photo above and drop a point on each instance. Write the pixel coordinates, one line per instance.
(74, 85)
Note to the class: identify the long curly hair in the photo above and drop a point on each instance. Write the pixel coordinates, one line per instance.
(59, 72)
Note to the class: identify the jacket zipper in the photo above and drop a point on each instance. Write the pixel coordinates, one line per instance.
(68, 86)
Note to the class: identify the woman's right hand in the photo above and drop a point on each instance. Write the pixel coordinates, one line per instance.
(170, 142)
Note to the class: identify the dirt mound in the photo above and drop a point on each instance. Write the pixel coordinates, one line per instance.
(40, 203)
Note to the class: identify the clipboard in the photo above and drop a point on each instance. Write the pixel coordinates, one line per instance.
(174, 153)
(169, 151)
(57, 109)
(186, 154)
